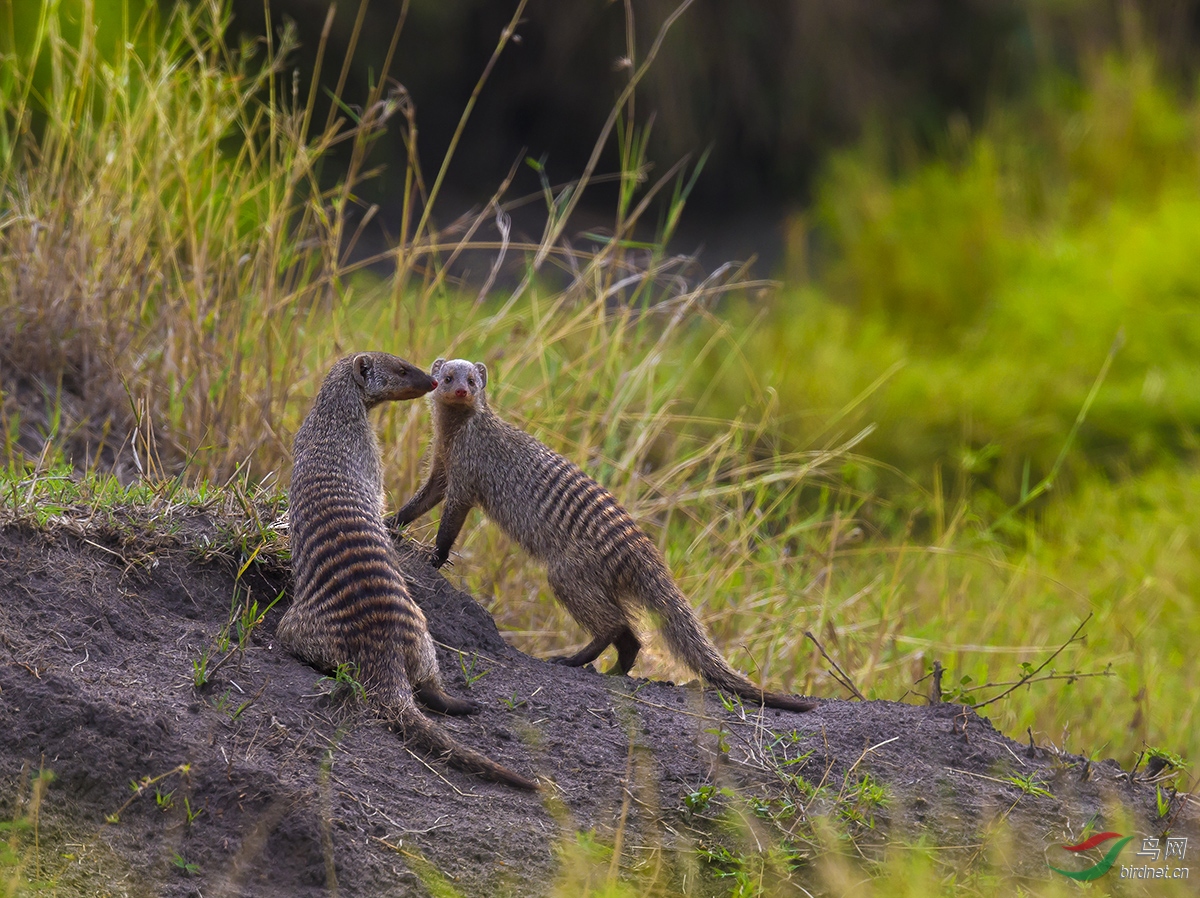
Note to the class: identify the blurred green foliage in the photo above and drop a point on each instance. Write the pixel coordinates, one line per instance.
(113, 21)
(967, 307)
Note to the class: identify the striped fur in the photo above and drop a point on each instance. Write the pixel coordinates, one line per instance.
(600, 564)
(351, 603)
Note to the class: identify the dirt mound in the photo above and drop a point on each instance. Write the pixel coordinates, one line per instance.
(289, 785)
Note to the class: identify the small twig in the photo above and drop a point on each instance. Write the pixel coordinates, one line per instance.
(436, 773)
(935, 688)
(1050, 676)
(699, 715)
(252, 699)
(87, 656)
(1029, 676)
(867, 751)
(96, 545)
(480, 655)
(387, 844)
(212, 670)
(839, 674)
(140, 786)
(990, 779)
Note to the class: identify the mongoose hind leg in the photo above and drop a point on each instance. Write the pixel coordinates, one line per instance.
(624, 641)
(420, 661)
(598, 612)
(627, 646)
(299, 634)
(585, 655)
(433, 698)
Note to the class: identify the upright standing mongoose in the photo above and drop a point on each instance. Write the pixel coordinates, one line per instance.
(351, 602)
(599, 562)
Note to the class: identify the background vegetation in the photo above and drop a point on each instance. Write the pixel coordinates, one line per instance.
(966, 419)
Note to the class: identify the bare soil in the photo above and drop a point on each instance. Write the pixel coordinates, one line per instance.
(292, 790)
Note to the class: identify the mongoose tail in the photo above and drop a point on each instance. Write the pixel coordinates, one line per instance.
(691, 645)
(397, 707)
(419, 730)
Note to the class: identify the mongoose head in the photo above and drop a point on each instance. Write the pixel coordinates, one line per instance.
(382, 377)
(460, 382)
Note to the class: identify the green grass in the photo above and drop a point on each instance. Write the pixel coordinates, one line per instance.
(22, 862)
(973, 425)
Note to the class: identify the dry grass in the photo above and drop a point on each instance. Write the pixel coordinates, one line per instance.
(172, 252)
(171, 256)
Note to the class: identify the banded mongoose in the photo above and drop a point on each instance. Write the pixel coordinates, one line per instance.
(351, 602)
(599, 562)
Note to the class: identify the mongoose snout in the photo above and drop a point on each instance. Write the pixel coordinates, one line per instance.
(387, 378)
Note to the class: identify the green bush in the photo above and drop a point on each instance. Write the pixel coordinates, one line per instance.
(969, 306)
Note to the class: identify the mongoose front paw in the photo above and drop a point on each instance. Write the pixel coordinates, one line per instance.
(437, 561)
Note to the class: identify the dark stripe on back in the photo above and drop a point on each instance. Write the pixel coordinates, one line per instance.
(576, 498)
(337, 532)
(359, 603)
(351, 545)
(585, 512)
(333, 524)
(341, 574)
(612, 531)
(554, 492)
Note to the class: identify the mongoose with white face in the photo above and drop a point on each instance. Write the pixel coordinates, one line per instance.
(599, 562)
(351, 603)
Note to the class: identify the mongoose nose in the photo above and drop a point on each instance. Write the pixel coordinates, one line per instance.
(460, 392)
(433, 384)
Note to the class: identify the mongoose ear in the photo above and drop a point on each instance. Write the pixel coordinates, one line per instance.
(437, 366)
(362, 368)
(481, 368)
